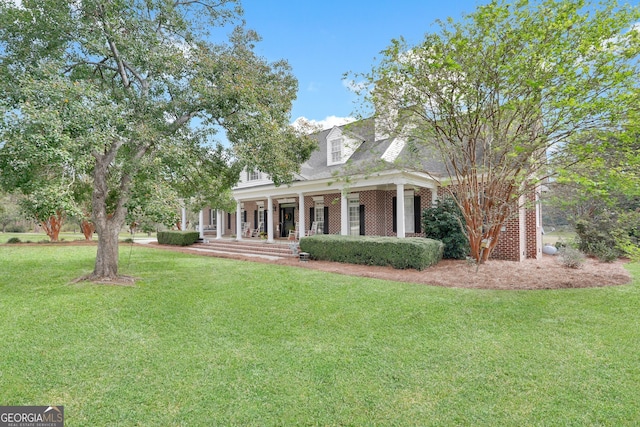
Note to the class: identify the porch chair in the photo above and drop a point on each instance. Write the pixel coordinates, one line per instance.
(295, 234)
(313, 230)
(246, 231)
(256, 231)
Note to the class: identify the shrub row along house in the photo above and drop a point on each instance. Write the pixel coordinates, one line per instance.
(353, 185)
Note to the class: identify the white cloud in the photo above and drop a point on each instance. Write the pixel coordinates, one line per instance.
(326, 123)
(313, 87)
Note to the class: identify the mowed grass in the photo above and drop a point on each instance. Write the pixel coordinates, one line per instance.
(65, 236)
(202, 341)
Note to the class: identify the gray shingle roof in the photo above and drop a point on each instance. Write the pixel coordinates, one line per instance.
(367, 156)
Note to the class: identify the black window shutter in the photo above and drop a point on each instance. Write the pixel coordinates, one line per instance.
(394, 211)
(244, 214)
(255, 218)
(362, 220)
(311, 218)
(417, 214)
(228, 221)
(265, 219)
(326, 220)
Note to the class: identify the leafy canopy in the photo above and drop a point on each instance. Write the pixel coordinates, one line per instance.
(488, 96)
(125, 92)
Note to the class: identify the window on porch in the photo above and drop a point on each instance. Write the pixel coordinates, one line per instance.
(319, 216)
(354, 217)
(409, 213)
(412, 214)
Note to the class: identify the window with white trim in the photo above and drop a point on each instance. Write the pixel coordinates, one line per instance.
(318, 217)
(354, 217)
(254, 175)
(409, 213)
(336, 150)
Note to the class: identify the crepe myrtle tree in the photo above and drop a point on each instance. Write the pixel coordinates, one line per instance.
(488, 97)
(127, 87)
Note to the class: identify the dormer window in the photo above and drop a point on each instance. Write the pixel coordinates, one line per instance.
(336, 150)
(254, 175)
(340, 146)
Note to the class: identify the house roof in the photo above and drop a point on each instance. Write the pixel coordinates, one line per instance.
(369, 155)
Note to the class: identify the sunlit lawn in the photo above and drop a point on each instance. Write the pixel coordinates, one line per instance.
(201, 341)
(64, 236)
(551, 237)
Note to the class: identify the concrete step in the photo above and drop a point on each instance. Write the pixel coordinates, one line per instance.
(247, 247)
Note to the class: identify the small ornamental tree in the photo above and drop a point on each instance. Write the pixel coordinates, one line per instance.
(482, 101)
(444, 221)
(48, 206)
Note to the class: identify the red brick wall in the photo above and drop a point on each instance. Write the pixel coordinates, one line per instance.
(508, 247)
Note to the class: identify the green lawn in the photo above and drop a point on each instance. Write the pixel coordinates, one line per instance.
(201, 341)
(551, 237)
(64, 236)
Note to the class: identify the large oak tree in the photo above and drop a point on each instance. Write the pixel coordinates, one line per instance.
(129, 91)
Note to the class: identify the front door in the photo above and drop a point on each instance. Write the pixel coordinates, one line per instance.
(288, 221)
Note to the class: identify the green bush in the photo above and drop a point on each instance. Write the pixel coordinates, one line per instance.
(571, 257)
(14, 240)
(14, 228)
(178, 238)
(600, 236)
(412, 252)
(443, 221)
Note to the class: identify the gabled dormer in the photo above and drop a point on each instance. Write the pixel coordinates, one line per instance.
(340, 146)
(252, 178)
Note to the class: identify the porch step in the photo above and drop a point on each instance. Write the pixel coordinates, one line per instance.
(248, 247)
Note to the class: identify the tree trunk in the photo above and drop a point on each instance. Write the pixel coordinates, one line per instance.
(107, 225)
(106, 266)
(87, 228)
(52, 226)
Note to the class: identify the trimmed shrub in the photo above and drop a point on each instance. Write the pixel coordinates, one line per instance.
(14, 240)
(412, 252)
(15, 228)
(443, 221)
(178, 238)
(571, 257)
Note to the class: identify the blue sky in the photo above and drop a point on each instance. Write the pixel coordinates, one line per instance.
(323, 40)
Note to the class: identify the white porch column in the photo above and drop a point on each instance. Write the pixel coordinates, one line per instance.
(201, 223)
(344, 214)
(400, 211)
(218, 224)
(238, 220)
(434, 196)
(270, 219)
(183, 224)
(301, 217)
